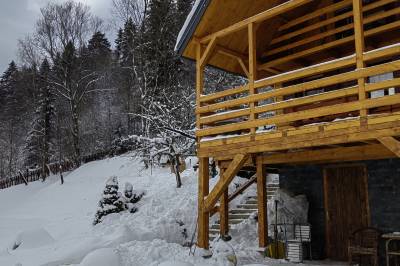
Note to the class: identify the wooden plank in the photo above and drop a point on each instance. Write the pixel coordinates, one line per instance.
(262, 204)
(322, 47)
(225, 180)
(224, 210)
(392, 144)
(360, 48)
(270, 13)
(203, 215)
(333, 154)
(382, 84)
(328, 129)
(333, 20)
(315, 14)
(382, 52)
(304, 72)
(343, 135)
(331, 32)
(305, 114)
(224, 116)
(281, 105)
(225, 93)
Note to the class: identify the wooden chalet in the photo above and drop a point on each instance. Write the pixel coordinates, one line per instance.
(321, 104)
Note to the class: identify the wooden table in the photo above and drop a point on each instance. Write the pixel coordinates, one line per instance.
(389, 238)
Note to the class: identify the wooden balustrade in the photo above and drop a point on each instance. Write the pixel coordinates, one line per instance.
(220, 116)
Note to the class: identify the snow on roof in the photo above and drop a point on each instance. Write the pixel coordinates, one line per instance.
(188, 28)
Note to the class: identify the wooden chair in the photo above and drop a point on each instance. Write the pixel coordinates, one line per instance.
(363, 242)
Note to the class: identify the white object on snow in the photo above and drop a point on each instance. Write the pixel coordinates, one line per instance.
(101, 257)
(32, 239)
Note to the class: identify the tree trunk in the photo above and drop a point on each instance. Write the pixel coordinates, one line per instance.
(75, 134)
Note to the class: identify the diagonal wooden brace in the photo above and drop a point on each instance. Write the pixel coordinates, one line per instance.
(208, 52)
(391, 143)
(224, 181)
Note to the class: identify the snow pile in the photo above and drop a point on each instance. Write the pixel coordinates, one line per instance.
(32, 239)
(101, 257)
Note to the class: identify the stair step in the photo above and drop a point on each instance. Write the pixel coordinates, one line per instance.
(239, 216)
(233, 221)
(242, 211)
(214, 231)
(215, 227)
(251, 201)
(248, 206)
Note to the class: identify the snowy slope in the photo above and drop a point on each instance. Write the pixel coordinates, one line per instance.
(52, 224)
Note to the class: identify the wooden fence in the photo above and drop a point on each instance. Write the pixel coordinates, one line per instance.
(31, 175)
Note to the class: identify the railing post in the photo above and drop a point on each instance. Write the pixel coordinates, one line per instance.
(199, 84)
(360, 48)
(252, 39)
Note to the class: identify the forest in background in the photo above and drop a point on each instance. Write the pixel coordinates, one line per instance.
(75, 92)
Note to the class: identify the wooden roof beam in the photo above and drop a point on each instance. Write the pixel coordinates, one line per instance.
(356, 153)
(270, 13)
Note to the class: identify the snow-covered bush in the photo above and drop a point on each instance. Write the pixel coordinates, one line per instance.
(111, 201)
(130, 198)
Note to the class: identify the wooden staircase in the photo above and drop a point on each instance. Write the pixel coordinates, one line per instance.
(242, 211)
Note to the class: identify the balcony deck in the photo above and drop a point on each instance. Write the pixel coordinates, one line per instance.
(323, 111)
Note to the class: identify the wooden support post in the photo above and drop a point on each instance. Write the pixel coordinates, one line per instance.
(199, 84)
(252, 69)
(203, 215)
(360, 48)
(262, 203)
(224, 210)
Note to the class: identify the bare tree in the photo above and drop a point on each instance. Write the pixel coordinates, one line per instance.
(60, 24)
(134, 9)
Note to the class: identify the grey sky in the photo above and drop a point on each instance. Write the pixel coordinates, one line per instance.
(17, 18)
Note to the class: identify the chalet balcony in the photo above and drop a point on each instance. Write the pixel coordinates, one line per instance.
(319, 101)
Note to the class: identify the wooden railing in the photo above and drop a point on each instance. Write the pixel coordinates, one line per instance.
(319, 93)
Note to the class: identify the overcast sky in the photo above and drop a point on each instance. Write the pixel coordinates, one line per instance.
(17, 18)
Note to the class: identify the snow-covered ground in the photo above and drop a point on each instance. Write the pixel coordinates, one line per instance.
(46, 223)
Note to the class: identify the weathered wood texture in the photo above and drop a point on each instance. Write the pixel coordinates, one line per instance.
(346, 206)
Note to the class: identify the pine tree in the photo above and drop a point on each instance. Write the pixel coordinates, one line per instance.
(98, 51)
(10, 115)
(8, 90)
(111, 201)
(39, 144)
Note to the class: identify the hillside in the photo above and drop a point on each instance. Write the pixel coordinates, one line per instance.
(52, 223)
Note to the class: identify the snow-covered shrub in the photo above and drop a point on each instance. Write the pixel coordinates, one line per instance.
(111, 201)
(130, 198)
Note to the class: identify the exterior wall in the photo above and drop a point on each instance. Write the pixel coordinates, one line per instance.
(383, 190)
